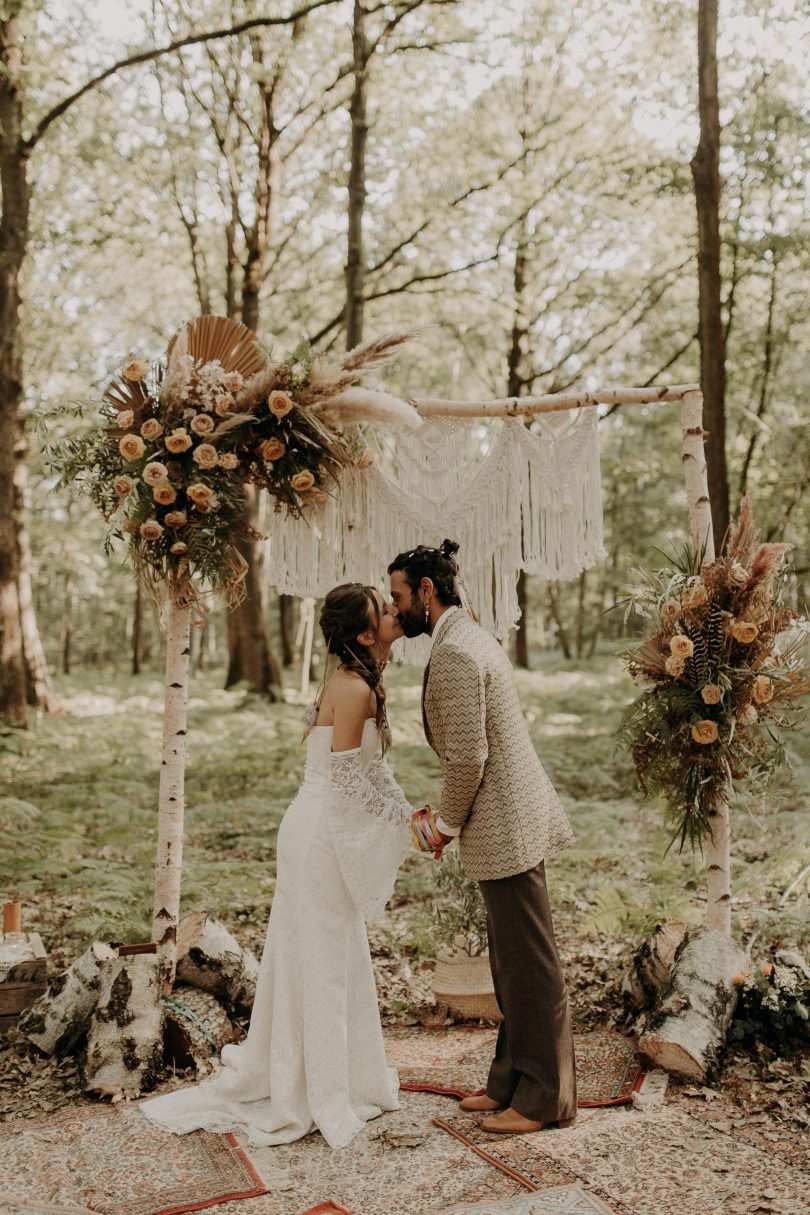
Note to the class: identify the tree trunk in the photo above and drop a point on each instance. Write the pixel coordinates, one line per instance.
(554, 606)
(580, 634)
(355, 264)
(706, 175)
(285, 616)
(38, 688)
(250, 656)
(66, 632)
(13, 241)
(171, 806)
(522, 626)
(59, 1018)
(196, 1028)
(514, 385)
(210, 957)
(125, 1041)
(137, 629)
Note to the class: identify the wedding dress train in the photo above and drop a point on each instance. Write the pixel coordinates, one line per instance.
(314, 1055)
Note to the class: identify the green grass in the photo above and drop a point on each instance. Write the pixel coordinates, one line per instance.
(79, 817)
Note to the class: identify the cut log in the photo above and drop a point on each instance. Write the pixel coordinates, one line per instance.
(125, 1039)
(686, 1033)
(57, 1020)
(211, 958)
(196, 1028)
(651, 966)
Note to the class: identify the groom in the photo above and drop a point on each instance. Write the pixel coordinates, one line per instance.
(498, 800)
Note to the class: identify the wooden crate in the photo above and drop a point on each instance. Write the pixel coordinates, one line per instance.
(25, 980)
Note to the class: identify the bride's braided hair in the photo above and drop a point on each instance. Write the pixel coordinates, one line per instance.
(347, 611)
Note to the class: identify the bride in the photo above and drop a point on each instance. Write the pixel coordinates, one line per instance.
(313, 1057)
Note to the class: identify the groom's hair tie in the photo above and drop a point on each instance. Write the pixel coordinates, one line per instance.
(437, 564)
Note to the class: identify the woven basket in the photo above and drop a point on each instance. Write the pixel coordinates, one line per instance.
(464, 984)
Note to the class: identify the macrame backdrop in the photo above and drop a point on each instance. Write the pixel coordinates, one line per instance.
(514, 498)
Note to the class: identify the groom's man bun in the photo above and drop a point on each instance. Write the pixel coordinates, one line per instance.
(437, 564)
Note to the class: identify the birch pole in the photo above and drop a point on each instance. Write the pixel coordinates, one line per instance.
(718, 861)
(171, 803)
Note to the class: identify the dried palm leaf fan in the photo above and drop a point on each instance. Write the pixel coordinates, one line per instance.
(211, 338)
(127, 394)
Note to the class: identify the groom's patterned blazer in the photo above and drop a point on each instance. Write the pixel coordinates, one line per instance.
(494, 787)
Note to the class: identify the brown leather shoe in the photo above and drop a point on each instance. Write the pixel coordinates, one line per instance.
(510, 1122)
(479, 1103)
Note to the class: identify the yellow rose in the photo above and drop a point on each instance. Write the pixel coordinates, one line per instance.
(151, 429)
(744, 631)
(123, 485)
(712, 693)
(228, 460)
(705, 732)
(694, 596)
(151, 530)
(178, 548)
(205, 455)
(302, 481)
(199, 492)
(762, 690)
(135, 370)
(132, 447)
(164, 494)
(179, 440)
(233, 381)
(125, 419)
(176, 518)
(674, 666)
(201, 424)
(223, 405)
(155, 473)
(272, 449)
(279, 404)
(681, 646)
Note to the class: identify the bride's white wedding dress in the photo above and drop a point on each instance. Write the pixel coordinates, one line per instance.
(314, 1056)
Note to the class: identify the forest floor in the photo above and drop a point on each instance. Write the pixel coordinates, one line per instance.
(77, 816)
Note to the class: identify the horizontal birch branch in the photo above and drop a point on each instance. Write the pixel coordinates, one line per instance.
(515, 407)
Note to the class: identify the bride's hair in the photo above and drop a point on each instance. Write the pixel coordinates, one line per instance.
(347, 611)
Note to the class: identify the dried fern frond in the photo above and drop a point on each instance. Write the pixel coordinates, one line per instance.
(259, 387)
(376, 352)
(743, 535)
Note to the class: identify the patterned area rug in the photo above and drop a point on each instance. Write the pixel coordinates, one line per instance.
(110, 1160)
(562, 1200)
(455, 1061)
(662, 1162)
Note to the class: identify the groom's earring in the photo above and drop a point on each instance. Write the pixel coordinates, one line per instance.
(427, 613)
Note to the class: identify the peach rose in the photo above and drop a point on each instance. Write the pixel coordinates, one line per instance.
(681, 646)
(302, 481)
(766, 969)
(132, 447)
(155, 473)
(223, 405)
(176, 518)
(228, 460)
(233, 381)
(178, 548)
(202, 424)
(674, 666)
(705, 732)
(694, 596)
(712, 693)
(123, 485)
(670, 611)
(748, 716)
(151, 530)
(272, 449)
(738, 573)
(135, 370)
(205, 455)
(739, 979)
(164, 494)
(199, 493)
(179, 440)
(151, 429)
(762, 691)
(744, 631)
(317, 496)
(125, 419)
(279, 404)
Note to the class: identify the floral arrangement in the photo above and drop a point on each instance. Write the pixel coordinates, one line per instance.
(460, 921)
(722, 672)
(772, 1004)
(182, 436)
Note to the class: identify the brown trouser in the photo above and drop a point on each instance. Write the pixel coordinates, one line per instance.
(533, 1070)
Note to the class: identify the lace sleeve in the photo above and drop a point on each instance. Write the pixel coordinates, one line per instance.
(373, 789)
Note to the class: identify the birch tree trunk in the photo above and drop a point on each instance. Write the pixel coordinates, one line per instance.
(169, 862)
(355, 264)
(718, 860)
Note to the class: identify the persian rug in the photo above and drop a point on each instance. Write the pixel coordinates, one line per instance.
(455, 1061)
(110, 1160)
(661, 1162)
(561, 1200)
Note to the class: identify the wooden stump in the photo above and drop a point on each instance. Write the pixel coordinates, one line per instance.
(125, 1040)
(211, 958)
(652, 963)
(196, 1028)
(687, 1031)
(57, 1020)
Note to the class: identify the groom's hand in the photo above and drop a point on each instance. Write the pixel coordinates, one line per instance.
(426, 835)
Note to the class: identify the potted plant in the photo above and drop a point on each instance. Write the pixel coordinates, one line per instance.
(462, 979)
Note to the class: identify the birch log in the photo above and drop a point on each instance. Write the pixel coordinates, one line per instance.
(124, 1053)
(210, 957)
(718, 860)
(57, 1020)
(169, 861)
